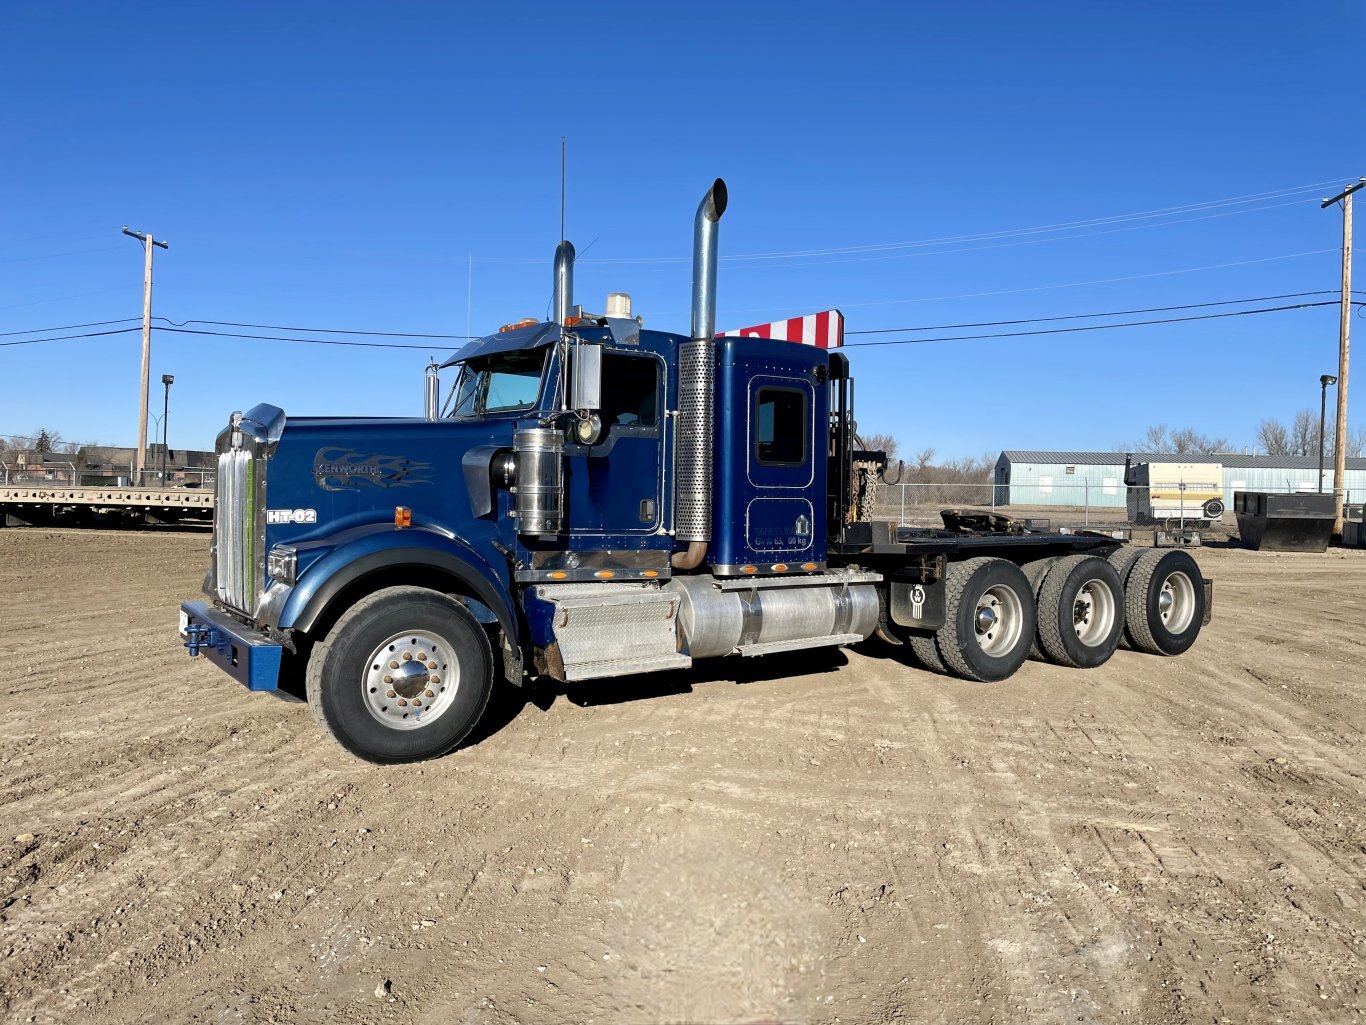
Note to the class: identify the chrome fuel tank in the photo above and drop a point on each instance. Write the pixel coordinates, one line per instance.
(755, 616)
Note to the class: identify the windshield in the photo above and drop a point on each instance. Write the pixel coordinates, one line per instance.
(497, 383)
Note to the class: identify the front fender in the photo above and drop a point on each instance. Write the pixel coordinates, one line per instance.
(385, 548)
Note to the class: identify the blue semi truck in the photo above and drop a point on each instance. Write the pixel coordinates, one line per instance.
(599, 500)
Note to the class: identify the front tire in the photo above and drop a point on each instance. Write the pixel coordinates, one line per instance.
(403, 675)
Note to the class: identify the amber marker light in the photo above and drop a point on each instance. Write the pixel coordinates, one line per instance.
(558, 574)
(749, 569)
(604, 574)
(403, 516)
(780, 567)
(808, 566)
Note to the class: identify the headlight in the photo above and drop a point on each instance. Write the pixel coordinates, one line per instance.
(282, 563)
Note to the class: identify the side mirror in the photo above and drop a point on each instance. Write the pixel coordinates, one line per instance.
(586, 385)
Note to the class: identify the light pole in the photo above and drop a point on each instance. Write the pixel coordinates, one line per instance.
(1324, 381)
(168, 380)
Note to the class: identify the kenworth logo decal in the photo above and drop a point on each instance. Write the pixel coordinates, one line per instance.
(344, 469)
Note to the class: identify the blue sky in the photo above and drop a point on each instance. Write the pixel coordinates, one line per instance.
(338, 166)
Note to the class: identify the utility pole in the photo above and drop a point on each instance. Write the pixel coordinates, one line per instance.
(1344, 351)
(148, 243)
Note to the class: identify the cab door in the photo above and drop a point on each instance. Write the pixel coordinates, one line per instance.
(612, 487)
(780, 514)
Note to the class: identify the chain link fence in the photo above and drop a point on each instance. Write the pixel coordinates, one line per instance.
(1086, 503)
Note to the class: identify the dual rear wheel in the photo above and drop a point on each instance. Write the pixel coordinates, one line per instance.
(1073, 611)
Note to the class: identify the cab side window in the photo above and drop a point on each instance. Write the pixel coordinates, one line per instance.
(630, 391)
(780, 427)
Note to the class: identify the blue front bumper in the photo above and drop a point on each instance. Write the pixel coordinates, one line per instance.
(248, 656)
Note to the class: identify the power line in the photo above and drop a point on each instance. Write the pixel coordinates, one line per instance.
(938, 327)
(303, 341)
(1093, 281)
(61, 298)
(1097, 327)
(63, 338)
(66, 327)
(1014, 232)
(315, 330)
(1089, 316)
(53, 256)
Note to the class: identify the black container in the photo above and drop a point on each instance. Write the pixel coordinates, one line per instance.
(1284, 523)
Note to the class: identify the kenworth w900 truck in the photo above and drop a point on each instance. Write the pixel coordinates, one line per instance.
(602, 500)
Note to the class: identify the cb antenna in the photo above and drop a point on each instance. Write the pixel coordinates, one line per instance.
(561, 188)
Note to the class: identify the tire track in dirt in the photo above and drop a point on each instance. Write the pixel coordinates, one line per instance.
(834, 837)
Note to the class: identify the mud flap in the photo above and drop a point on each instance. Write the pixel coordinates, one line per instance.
(918, 606)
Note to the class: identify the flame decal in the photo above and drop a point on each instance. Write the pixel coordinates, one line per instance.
(345, 469)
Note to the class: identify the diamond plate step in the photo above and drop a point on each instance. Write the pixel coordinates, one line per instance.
(624, 667)
(614, 629)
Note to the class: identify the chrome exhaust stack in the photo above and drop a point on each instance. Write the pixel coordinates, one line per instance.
(696, 389)
(704, 252)
(564, 281)
(431, 391)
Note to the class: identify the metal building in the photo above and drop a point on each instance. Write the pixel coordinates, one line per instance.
(1080, 479)
(1287, 473)
(1096, 479)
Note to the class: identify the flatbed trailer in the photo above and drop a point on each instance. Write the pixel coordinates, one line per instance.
(40, 505)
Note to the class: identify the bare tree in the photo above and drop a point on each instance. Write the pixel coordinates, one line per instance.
(923, 458)
(1273, 436)
(1304, 434)
(1156, 439)
(1356, 443)
(881, 443)
(1189, 442)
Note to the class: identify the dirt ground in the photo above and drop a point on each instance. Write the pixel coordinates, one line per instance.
(824, 838)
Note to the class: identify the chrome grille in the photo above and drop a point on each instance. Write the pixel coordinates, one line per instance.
(235, 530)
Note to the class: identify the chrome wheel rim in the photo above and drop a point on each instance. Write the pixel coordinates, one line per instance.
(410, 680)
(1176, 602)
(997, 620)
(1093, 613)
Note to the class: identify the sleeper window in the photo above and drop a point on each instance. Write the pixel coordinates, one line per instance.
(780, 427)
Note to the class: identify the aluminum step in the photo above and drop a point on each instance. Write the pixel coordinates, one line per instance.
(624, 667)
(839, 640)
(604, 630)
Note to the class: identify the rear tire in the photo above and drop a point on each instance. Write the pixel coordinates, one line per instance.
(1123, 560)
(926, 654)
(403, 675)
(1081, 612)
(1165, 602)
(990, 619)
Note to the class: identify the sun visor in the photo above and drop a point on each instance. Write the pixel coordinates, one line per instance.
(534, 336)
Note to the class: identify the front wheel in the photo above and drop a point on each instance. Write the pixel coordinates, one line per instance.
(403, 675)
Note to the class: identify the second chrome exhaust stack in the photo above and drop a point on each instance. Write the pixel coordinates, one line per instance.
(564, 281)
(696, 389)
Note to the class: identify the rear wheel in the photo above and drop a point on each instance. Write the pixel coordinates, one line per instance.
(1165, 599)
(926, 654)
(1081, 612)
(403, 675)
(989, 619)
(1123, 560)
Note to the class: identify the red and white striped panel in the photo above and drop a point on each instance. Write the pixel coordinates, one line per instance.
(823, 330)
